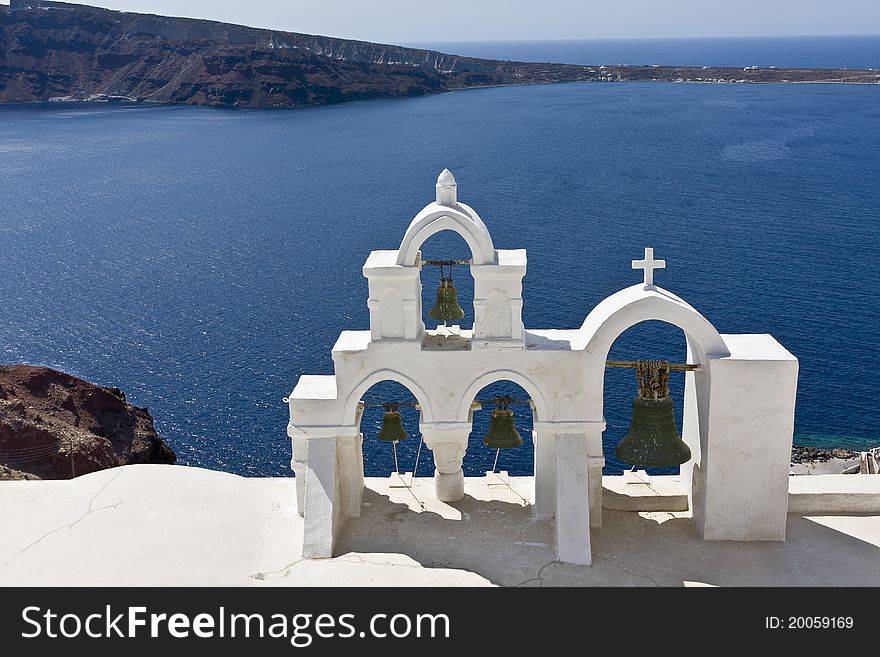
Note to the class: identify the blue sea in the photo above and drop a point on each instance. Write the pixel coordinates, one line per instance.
(202, 259)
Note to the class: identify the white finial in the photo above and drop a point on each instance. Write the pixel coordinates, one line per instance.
(649, 265)
(446, 189)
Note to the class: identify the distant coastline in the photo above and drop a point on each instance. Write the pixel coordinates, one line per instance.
(62, 52)
(825, 52)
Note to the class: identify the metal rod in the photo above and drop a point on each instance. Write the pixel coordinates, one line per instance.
(396, 466)
(445, 263)
(632, 364)
(495, 465)
(416, 466)
(479, 401)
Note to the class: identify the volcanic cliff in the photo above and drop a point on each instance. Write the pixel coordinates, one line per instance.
(55, 426)
(58, 51)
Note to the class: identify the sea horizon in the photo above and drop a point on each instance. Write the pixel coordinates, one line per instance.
(844, 51)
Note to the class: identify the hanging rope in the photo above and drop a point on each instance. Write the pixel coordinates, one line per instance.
(507, 483)
(396, 466)
(416, 466)
(412, 479)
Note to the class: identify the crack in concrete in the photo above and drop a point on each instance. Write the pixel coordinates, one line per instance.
(365, 562)
(613, 563)
(70, 525)
(539, 577)
(262, 576)
(285, 569)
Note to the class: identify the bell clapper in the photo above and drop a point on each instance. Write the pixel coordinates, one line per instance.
(495, 465)
(396, 466)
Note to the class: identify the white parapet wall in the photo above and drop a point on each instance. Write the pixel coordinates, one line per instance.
(834, 494)
(825, 494)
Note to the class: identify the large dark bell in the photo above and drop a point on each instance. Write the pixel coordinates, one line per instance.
(392, 427)
(502, 431)
(446, 308)
(652, 439)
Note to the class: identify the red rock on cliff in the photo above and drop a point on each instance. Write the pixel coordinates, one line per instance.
(54, 425)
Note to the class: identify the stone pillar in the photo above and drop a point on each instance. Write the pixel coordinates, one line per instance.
(395, 300)
(545, 472)
(351, 473)
(740, 486)
(572, 499)
(298, 465)
(498, 301)
(545, 440)
(322, 515)
(448, 442)
(694, 383)
(595, 465)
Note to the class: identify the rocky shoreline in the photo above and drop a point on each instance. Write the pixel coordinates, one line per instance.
(806, 454)
(52, 51)
(807, 460)
(57, 426)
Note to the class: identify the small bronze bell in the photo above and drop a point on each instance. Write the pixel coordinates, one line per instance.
(652, 439)
(392, 426)
(502, 433)
(446, 308)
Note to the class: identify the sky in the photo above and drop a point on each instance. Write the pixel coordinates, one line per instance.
(413, 21)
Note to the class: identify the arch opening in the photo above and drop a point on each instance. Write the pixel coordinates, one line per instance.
(378, 454)
(648, 339)
(447, 245)
(480, 458)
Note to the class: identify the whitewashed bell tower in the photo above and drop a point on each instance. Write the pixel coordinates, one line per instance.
(738, 408)
(395, 286)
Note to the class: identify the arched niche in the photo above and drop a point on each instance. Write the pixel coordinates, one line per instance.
(460, 219)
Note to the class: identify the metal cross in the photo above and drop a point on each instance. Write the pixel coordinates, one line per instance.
(649, 265)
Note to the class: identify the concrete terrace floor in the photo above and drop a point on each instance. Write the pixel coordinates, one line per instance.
(151, 525)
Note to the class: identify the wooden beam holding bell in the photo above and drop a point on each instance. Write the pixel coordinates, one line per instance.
(653, 439)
